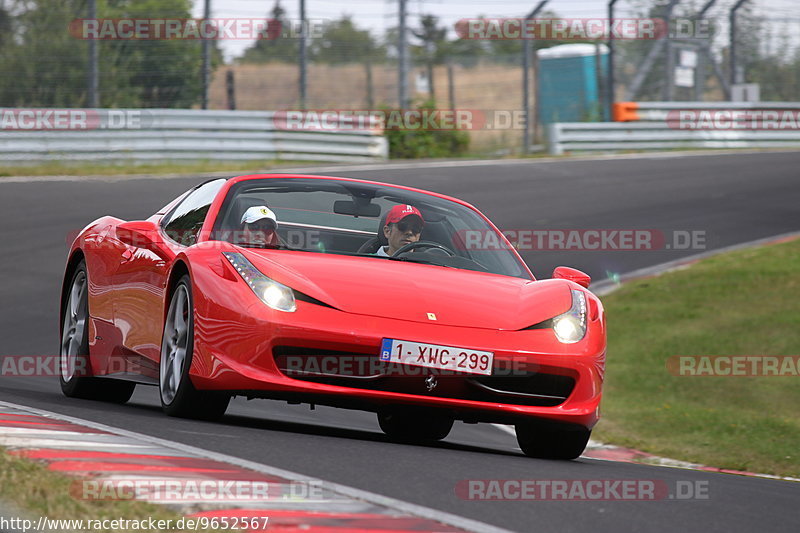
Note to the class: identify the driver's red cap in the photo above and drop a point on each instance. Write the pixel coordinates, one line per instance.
(399, 212)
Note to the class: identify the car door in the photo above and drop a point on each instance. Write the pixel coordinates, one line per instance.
(141, 279)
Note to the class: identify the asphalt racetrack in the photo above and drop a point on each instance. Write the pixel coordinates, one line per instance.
(728, 199)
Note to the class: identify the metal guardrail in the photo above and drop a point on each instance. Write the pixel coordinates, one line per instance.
(613, 136)
(683, 125)
(147, 135)
(660, 111)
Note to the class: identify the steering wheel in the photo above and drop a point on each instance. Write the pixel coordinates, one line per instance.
(423, 244)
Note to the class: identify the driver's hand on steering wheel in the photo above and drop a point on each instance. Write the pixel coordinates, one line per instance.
(412, 246)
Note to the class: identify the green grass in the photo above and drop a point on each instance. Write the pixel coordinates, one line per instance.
(90, 169)
(36, 491)
(741, 303)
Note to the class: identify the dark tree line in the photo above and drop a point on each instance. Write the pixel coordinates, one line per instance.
(342, 41)
(42, 64)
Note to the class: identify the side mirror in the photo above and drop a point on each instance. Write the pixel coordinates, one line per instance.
(142, 234)
(137, 233)
(572, 274)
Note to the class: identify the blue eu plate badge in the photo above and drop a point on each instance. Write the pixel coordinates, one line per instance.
(386, 350)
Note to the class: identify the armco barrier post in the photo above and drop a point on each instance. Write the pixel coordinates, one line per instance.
(554, 139)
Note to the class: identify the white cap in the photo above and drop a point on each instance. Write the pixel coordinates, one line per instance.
(259, 212)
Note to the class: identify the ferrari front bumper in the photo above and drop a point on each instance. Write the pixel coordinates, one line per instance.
(322, 355)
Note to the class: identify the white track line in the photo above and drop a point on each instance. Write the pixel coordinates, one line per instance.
(411, 165)
(604, 287)
(358, 494)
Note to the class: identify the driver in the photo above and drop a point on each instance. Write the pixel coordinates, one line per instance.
(404, 224)
(260, 227)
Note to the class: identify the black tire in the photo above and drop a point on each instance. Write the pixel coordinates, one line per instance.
(75, 374)
(414, 425)
(178, 396)
(546, 440)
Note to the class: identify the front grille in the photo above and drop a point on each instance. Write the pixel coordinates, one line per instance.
(536, 383)
(366, 371)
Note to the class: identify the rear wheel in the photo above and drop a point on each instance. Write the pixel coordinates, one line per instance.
(414, 425)
(178, 395)
(76, 372)
(551, 441)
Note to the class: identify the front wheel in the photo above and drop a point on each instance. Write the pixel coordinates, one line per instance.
(178, 395)
(551, 441)
(75, 377)
(414, 426)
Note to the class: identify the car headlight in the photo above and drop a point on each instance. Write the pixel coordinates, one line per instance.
(276, 295)
(571, 326)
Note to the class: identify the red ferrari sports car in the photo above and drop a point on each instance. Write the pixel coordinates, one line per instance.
(333, 291)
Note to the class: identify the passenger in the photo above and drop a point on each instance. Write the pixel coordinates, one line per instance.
(260, 227)
(404, 225)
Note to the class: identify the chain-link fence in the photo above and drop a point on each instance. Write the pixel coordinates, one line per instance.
(44, 56)
(696, 62)
(352, 62)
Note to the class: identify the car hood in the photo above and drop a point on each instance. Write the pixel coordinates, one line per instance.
(410, 291)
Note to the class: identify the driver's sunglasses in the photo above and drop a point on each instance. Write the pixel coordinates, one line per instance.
(404, 227)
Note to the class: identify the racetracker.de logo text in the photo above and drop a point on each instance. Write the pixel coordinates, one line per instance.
(16, 119)
(580, 490)
(158, 29)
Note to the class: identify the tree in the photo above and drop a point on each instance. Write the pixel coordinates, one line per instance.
(510, 50)
(467, 52)
(43, 65)
(434, 42)
(281, 48)
(32, 72)
(157, 73)
(5, 24)
(343, 42)
(767, 57)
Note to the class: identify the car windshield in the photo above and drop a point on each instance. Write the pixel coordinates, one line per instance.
(343, 217)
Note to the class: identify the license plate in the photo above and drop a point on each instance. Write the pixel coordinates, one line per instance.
(437, 356)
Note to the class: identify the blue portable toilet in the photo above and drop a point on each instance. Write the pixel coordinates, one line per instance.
(569, 85)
